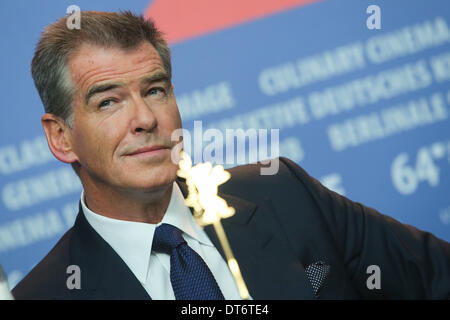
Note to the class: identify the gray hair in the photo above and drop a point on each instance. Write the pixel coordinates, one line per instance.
(49, 67)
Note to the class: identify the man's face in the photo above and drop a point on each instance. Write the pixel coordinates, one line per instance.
(123, 102)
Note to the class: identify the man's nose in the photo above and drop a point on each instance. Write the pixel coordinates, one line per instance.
(144, 120)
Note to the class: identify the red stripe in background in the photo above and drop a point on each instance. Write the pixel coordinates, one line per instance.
(184, 19)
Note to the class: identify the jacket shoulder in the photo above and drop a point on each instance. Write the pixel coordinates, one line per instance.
(263, 178)
(48, 278)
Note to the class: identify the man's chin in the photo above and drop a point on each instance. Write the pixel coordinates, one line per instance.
(157, 183)
(146, 190)
(151, 178)
(155, 186)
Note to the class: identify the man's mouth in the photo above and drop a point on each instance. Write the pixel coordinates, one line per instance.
(148, 150)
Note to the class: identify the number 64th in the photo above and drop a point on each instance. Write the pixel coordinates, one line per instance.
(406, 176)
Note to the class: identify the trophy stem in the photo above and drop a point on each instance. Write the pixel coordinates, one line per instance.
(232, 263)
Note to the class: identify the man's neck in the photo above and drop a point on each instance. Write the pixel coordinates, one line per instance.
(140, 206)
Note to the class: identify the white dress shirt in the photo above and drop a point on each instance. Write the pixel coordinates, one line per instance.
(132, 241)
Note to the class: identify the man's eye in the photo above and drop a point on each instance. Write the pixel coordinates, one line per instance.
(156, 91)
(105, 103)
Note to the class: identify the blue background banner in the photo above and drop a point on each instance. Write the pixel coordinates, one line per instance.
(365, 111)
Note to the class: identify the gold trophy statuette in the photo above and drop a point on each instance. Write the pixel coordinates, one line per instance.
(202, 181)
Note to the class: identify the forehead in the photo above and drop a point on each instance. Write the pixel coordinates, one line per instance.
(93, 64)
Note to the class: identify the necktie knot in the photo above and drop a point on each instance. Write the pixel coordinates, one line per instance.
(190, 277)
(167, 238)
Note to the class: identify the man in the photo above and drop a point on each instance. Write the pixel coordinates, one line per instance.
(110, 112)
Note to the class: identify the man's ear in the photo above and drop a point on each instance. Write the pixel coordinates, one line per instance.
(58, 137)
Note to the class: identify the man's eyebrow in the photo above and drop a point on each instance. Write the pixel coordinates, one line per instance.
(99, 89)
(156, 77)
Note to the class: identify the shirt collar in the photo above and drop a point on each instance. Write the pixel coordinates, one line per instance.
(132, 241)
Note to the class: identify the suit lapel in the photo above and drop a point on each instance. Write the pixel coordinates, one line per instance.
(268, 265)
(104, 275)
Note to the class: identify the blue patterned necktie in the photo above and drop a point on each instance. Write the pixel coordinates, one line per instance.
(190, 276)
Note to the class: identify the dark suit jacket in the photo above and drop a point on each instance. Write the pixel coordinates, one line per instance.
(282, 224)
